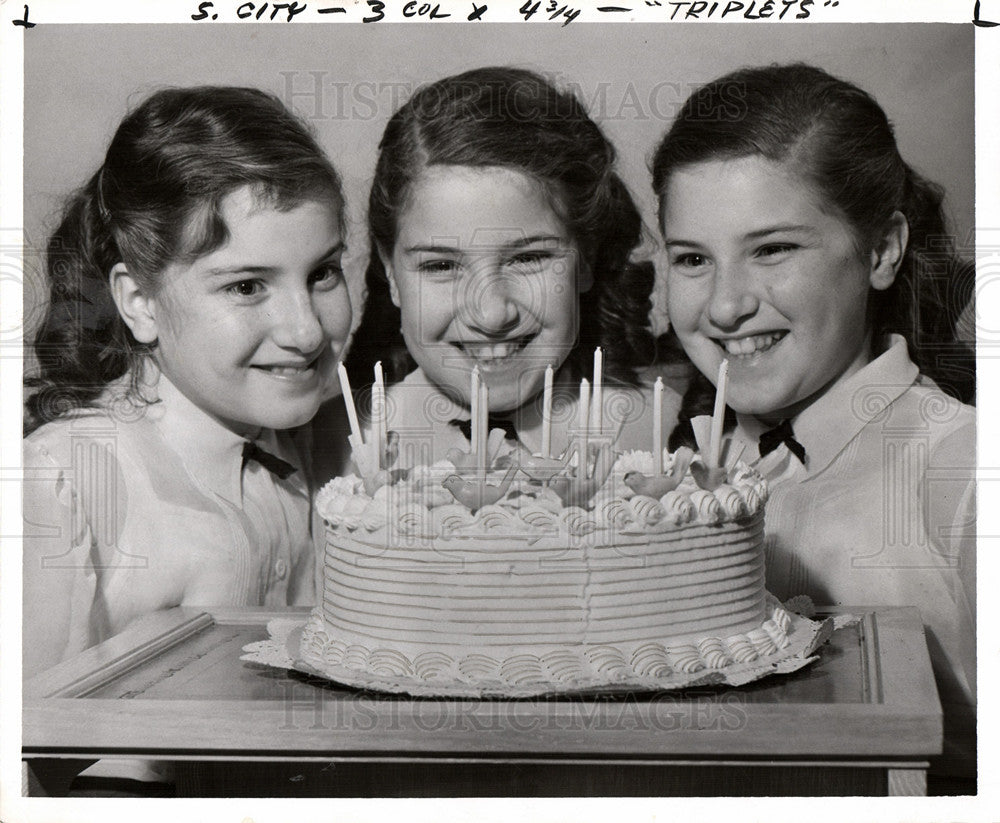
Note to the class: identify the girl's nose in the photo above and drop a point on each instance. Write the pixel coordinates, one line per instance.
(298, 325)
(732, 297)
(488, 303)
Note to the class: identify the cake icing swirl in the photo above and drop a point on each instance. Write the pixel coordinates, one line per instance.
(421, 506)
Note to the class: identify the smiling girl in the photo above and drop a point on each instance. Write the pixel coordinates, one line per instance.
(197, 313)
(802, 249)
(501, 239)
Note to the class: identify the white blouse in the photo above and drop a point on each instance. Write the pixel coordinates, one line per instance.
(883, 514)
(131, 508)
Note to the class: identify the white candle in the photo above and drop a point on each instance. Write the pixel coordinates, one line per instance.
(547, 413)
(352, 413)
(379, 422)
(583, 422)
(481, 423)
(597, 406)
(718, 415)
(474, 409)
(658, 426)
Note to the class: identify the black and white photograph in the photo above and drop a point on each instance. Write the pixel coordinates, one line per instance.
(553, 410)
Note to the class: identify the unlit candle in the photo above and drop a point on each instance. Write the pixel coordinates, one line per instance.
(379, 422)
(597, 404)
(583, 421)
(719, 414)
(484, 411)
(658, 426)
(547, 413)
(352, 413)
(474, 409)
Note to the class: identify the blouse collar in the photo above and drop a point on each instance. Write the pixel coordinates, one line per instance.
(826, 426)
(211, 452)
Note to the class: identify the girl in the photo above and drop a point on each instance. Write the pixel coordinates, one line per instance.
(501, 238)
(803, 249)
(197, 312)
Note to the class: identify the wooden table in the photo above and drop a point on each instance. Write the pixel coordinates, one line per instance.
(861, 720)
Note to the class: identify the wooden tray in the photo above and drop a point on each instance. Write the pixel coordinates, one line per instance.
(173, 686)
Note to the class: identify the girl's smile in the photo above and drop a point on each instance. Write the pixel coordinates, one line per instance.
(764, 275)
(484, 272)
(493, 356)
(749, 346)
(290, 371)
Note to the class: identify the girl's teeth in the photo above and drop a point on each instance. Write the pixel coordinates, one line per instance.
(287, 371)
(496, 351)
(746, 346)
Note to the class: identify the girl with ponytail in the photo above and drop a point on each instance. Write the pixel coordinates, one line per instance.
(196, 316)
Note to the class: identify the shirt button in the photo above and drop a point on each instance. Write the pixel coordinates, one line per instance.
(281, 568)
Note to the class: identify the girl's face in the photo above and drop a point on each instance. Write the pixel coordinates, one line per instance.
(485, 273)
(251, 332)
(760, 273)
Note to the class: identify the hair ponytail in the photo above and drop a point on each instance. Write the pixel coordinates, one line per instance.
(931, 288)
(82, 343)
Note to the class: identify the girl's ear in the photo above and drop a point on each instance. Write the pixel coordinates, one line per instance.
(390, 275)
(137, 308)
(887, 256)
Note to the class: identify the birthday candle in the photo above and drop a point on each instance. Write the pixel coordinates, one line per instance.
(352, 413)
(658, 426)
(718, 415)
(379, 422)
(474, 408)
(583, 421)
(547, 413)
(481, 424)
(597, 406)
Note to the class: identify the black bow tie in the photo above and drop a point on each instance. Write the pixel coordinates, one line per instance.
(273, 463)
(770, 440)
(465, 426)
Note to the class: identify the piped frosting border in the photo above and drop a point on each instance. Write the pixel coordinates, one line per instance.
(783, 643)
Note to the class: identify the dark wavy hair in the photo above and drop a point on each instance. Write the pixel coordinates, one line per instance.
(155, 200)
(843, 144)
(513, 118)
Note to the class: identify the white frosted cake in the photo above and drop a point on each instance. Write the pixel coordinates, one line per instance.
(527, 594)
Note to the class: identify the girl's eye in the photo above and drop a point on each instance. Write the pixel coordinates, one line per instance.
(440, 268)
(528, 259)
(690, 260)
(774, 249)
(245, 288)
(329, 275)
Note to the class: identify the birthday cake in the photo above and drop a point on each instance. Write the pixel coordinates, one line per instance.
(436, 584)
